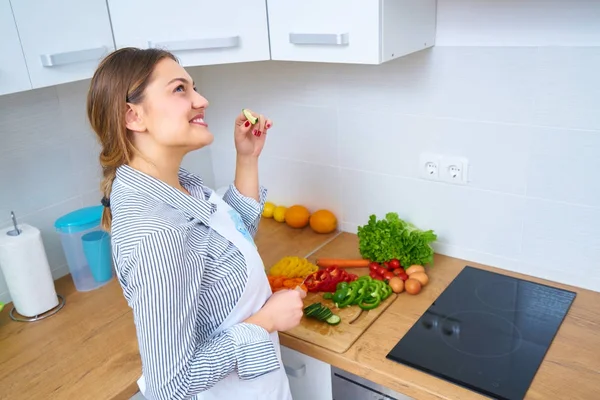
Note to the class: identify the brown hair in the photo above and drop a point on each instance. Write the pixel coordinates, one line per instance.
(120, 78)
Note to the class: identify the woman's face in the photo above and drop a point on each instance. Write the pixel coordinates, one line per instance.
(172, 112)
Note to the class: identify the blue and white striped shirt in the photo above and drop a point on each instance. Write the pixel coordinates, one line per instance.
(182, 279)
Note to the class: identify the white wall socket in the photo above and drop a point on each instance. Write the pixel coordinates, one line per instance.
(454, 170)
(437, 167)
(429, 166)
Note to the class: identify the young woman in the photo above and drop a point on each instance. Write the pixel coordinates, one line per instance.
(205, 316)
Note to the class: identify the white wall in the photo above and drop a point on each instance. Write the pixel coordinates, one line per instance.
(525, 114)
(49, 163)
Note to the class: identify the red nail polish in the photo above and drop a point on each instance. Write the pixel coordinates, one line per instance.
(259, 133)
(268, 126)
(247, 124)
(255, 132)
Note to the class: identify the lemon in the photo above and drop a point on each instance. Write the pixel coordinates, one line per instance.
(279, 213)
(268, 210)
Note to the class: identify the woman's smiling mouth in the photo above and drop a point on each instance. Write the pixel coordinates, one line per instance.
(198, 120)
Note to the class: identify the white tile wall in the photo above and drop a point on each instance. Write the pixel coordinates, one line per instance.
(48, 163)
(348, 137)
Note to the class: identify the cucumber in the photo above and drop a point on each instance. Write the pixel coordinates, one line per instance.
(322, 313)
(312, 307)
(249, 116)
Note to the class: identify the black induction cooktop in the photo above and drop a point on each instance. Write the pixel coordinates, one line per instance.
(487, 332)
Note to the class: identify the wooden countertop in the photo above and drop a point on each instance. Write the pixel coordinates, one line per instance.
(570, 370)
(89, 349)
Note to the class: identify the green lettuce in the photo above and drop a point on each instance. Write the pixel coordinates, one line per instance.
(383, 240)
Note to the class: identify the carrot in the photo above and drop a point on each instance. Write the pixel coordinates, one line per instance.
(278, 282)
(342, 262)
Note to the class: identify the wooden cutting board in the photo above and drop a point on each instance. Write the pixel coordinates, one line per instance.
(337, 338)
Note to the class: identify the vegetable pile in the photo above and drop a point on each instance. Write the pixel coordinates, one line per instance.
(393, 238)
(365, 292)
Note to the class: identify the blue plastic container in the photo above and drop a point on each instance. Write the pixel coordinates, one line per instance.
(87, 248)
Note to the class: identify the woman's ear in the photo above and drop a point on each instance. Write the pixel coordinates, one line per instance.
(133, 118)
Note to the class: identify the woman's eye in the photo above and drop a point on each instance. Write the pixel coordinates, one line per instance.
(195, 89)
(180, 88)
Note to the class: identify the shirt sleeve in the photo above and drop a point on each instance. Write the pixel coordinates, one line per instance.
(162, 289)
(249, 208)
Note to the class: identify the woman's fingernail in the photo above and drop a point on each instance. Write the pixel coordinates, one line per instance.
(268, 126)
(259, 133)
(247, 124)
(255, 132)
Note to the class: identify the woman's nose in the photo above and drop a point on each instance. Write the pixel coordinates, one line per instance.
(199, 101)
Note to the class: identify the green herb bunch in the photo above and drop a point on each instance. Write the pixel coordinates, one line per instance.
(383, 240)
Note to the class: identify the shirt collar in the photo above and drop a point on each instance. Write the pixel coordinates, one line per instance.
(197, 205)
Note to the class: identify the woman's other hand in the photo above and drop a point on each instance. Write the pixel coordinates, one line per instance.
(283, 311)
(250, 138)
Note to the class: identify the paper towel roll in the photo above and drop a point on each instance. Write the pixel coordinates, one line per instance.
(26, 270)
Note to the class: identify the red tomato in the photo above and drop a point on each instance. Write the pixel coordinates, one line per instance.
(373, 266)
(394, 264)
(403, 275)
(381, 270)
(375, 275)
(388, 275)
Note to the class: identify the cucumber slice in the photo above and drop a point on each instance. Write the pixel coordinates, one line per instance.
(312, 307)
(333, 319)
(249, 116)
(314, 312)
(324, 314)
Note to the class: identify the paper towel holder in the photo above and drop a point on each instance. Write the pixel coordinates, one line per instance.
(61, 303)
(47, 314)
(16, 231)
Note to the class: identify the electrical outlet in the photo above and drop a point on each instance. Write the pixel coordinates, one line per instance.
(454, 170)
(429, 166)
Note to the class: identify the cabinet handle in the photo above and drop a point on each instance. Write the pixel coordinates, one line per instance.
(295, 372)
(198, 44)
(71, 57)
(331, 39)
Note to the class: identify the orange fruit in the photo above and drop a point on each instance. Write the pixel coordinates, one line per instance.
(297, 216)
(323, 221)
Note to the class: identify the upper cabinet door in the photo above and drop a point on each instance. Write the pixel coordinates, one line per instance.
(63, 40)
(13, 70)
(198, 32)
(350, 31)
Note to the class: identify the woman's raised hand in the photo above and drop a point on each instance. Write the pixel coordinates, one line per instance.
(250, 138)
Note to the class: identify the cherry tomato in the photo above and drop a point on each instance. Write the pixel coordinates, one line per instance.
(388, 275)
(381, 270)
(373, 266)
(403, 275)
(394, 264)
(375, 275)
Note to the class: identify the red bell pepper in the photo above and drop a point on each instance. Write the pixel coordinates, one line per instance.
(326, 280)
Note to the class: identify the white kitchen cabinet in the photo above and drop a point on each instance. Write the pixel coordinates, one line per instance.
(310, 379)
(350, 31)
(13, 70)
(198, 32)
(63, 40)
